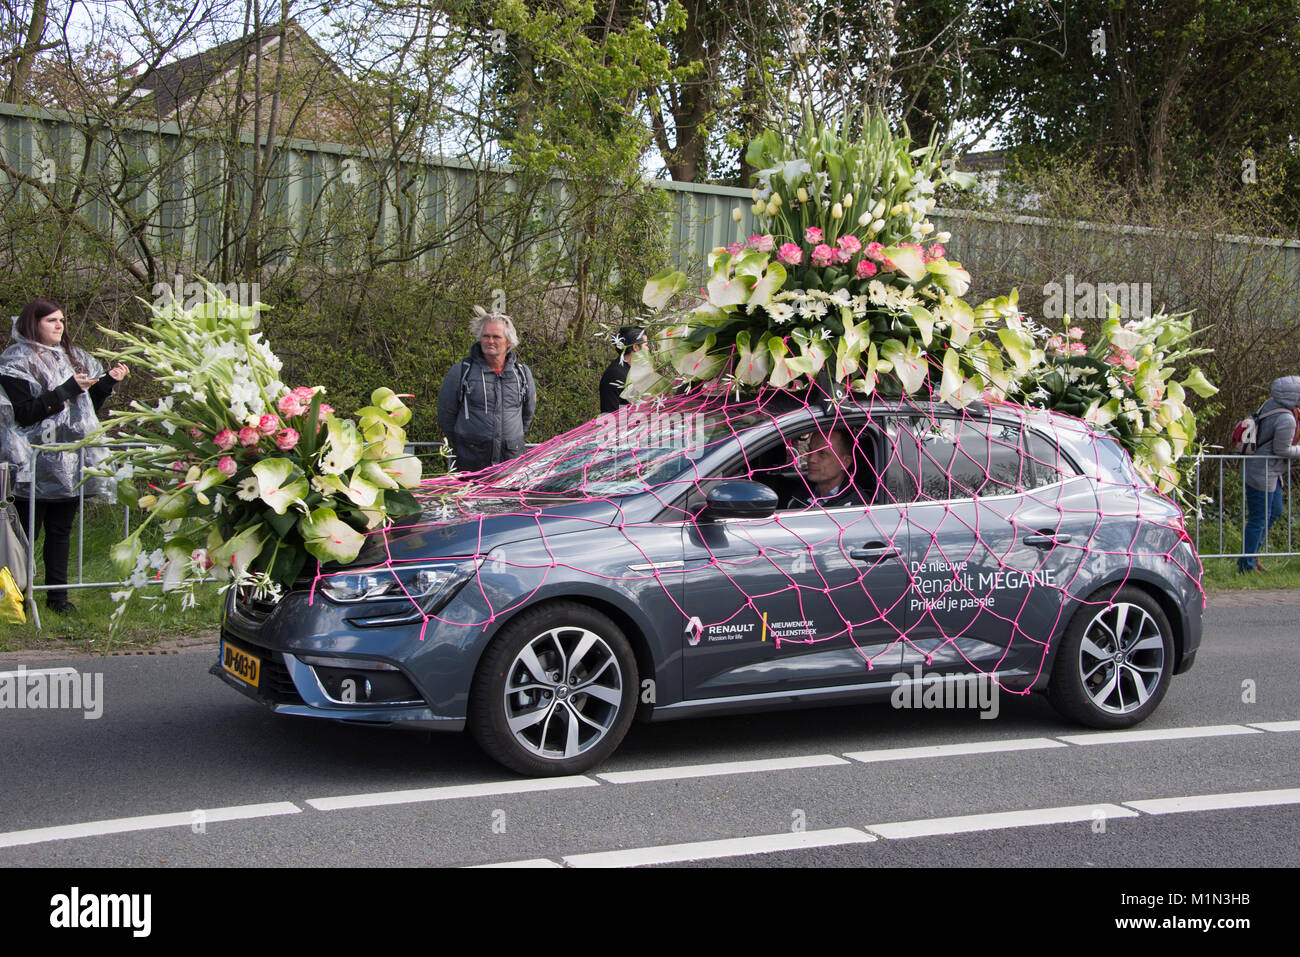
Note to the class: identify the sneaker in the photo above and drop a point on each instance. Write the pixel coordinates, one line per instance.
(61, 606)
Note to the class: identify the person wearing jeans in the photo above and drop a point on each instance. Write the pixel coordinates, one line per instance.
(1265, 490)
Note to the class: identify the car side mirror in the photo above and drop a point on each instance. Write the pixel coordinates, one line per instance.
(740, 499)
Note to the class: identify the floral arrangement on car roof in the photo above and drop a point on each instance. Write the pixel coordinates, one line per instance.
(248, 478)
(849, 286)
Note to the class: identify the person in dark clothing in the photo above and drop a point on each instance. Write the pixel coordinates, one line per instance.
(825, 468)
(54, 391)
(628, 340)
(1266, 471)
(487, 400)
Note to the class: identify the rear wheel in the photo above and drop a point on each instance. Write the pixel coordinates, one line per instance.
(555, 692)
(1115, 661)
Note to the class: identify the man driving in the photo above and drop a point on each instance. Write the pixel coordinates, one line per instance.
(825, 466)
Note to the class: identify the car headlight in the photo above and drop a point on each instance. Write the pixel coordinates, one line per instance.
(415, 582)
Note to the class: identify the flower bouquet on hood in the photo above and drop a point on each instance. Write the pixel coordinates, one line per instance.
(248, 478)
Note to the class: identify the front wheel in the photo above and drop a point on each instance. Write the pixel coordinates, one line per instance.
(555, 692)
(1115, 661)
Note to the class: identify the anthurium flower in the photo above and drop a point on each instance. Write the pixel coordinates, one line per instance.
(406, 470)
(392, 403)
(661, 288)
(697, 363)
(752, 365)
(177, 552)
(238, 550)
(908, 363)
(359, 490)
(342, 448)
(1199, 384)
(328, 538)
(954, 388)
(906, 260)
(124, 554)
(280, 483)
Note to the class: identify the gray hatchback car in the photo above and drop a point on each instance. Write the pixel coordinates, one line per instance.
(677, 559)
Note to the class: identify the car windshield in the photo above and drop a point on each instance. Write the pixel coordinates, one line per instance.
(629, 451)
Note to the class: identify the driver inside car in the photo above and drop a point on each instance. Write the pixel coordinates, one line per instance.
(825, 466)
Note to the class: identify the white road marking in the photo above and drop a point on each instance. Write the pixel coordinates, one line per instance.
(1155, 734)
(999, 820)
(149, 822)
(533, 862)
(1276, 725)
(38, 671)
(416, 795)
(953, 750)
(727, 847)
(726, 767)
(1218, 802)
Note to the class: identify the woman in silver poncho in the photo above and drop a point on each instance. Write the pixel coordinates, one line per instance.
(53, 390)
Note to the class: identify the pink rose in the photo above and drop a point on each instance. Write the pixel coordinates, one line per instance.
(267, 424)
(1056, 344)
(1076, 332)
(866, 269)
(289, 406)
(812, 235)
(227, 466)
(303, 394)
(937, 252)
(876, 251)
(736, 249)
(1078, 349)
(323, 412)
(226, 440)
(286, 439)
(850, 244)
(822, 255)
(763, 243)
(790, 254)
(249, 436)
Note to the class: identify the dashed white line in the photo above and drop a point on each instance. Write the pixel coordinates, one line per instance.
(532, 862)
(1156, 734)
(417, 795)
(727, 847)
(147, 823)
(725, 767)
(952, 750)
(1218, 802)
(999, 820)
(1276, 725)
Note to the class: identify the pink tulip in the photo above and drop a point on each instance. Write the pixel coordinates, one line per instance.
(812, 235)
(226, 440)
(790, 254)
(866, 269)
(764, 243)
(850, 244)
(822, 254)
(876, 251)
(289, 406)
(286, 439)
(249, 436)
(267, 424)
(227, 466)
(324, 411)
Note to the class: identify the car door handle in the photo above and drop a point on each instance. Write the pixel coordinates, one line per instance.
(873, 551)
(1046, 538)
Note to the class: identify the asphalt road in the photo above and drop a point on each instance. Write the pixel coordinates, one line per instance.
(180, 770)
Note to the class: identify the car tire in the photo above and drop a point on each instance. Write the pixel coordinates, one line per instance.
(1115, 660)
(555, 691)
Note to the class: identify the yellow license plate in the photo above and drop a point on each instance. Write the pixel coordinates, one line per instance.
(241, 664)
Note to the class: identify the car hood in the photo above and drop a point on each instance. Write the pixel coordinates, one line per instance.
(476, 521)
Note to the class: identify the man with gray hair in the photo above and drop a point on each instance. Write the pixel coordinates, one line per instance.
(488, 399)
(1266, 471)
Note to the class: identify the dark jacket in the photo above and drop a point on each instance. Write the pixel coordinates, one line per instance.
(843, 497)
(612, 384)
(484, 414)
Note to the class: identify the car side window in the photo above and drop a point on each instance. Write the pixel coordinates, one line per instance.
(965, 458)
(1046, 463)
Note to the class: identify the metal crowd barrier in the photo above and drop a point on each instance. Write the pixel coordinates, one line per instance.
(1217, 525)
